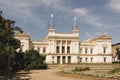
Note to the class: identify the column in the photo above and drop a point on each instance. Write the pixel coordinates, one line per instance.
(49, 47)
(66, 47)
(60, 59)
(71, 47)
(66, 58)
(60, 46)
(55, 46)
(27, 46)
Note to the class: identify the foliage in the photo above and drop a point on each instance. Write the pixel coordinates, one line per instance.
(19, 61)
(118, 53)
(34, 60)
(81, 69)
(8, 44)
(115, 70)
(8, 50)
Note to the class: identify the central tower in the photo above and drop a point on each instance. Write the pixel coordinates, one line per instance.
(75, 29)
(51, 28)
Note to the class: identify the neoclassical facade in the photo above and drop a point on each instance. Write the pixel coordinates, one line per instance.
(66, 48)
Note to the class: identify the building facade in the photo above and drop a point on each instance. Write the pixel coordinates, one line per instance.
(65, 48)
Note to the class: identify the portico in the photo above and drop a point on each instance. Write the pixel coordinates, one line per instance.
(62, 60)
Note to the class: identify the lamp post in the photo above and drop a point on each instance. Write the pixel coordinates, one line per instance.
(9, 24)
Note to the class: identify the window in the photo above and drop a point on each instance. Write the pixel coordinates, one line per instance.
(91, 59)
(85, 50)
(57, 50)
(68, 49)
(91, 50)
(63, 49)
(80, 59)
(104, 59)
(86, 59)
(38, 49)
(104, 49)
(44, 49)
(80, 50)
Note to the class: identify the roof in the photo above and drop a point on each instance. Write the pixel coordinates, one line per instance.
(102, 37)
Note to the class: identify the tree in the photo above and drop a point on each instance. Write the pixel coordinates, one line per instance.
(34, 60)
(8, 44)
(19, 61)
(118, 53)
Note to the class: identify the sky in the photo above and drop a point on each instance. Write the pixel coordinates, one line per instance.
(94, 17)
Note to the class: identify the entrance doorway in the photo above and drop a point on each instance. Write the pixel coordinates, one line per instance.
(63, 59)
(58, 59)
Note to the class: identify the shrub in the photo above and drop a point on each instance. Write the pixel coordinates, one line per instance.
(114, 70)
(34, 60)
(81, 69)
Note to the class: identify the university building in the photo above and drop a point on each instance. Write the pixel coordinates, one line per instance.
(66, 48)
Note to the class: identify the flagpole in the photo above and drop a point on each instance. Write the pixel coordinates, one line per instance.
(74, 21)
(51, 20)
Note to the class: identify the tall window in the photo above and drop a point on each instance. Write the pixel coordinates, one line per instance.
(104, 59)
(63, 49)
(80, 59)
(68, 49)
(91, 50)
(44, 49)
(91, 59)
(86, 59)
(104, 49)
(85, 50)
(80, 50)
(38, 49)
(57, 50)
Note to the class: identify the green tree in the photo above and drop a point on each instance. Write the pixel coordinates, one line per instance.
(34, 60)
(19, 61)
(118, 53)
(8, 44)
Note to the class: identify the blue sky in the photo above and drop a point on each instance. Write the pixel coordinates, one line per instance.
(94, 17)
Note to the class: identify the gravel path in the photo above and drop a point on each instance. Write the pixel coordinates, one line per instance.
(53, 74)
(49, 74)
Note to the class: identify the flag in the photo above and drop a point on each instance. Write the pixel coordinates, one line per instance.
(51, 15)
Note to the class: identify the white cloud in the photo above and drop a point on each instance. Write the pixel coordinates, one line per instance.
(81, 11)
(24, 11)
(91, 18)
(88, 35)
(95, 20)
(114, 5)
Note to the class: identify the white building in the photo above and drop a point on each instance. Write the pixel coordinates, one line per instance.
(63, 48)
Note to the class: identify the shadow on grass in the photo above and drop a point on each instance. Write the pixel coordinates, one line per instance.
(17, 76)
(22, 76)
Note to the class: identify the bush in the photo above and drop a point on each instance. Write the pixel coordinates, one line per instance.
(34, 60)
(81, 69)
(114, 70)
